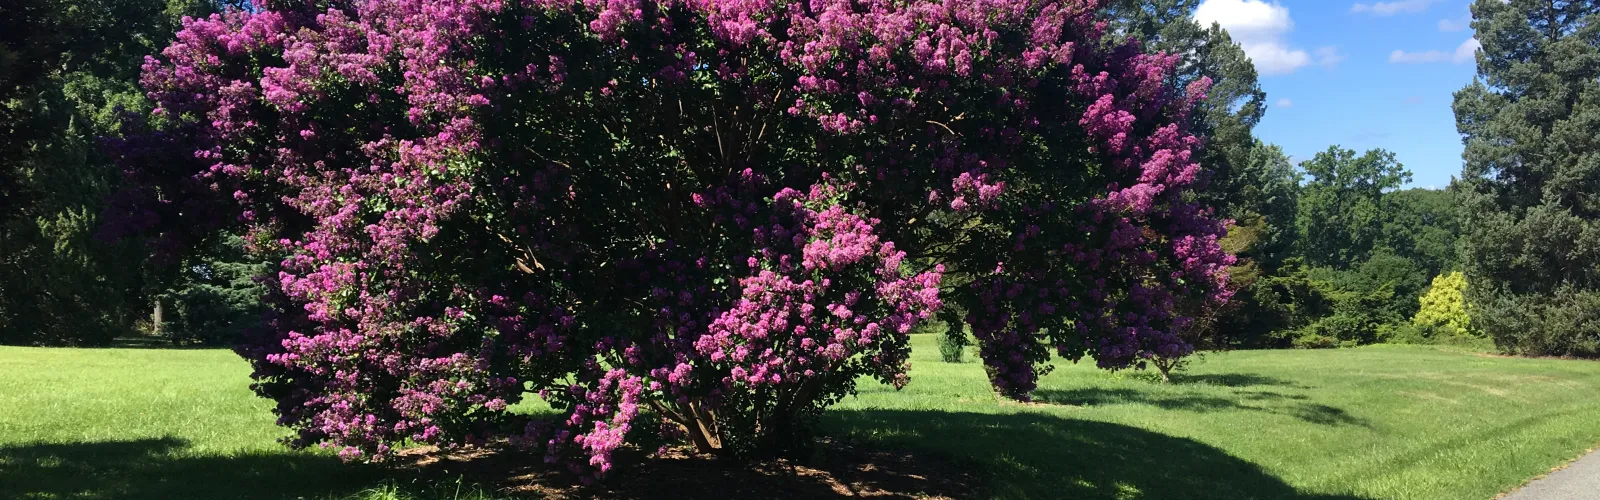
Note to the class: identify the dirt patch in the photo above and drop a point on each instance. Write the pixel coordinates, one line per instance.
(1493, 386)
(838, 472)
(1430, 396)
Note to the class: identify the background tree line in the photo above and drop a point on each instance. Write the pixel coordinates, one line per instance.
(69, 72)
(1334, 251)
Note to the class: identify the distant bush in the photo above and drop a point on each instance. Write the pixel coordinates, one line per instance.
(1445, 306)
(1441, 316)
(215, 300)
(953, 338)
(1313, 340)
(1354, 309)
(1563, 323)
(1425, 334)
(953, 345)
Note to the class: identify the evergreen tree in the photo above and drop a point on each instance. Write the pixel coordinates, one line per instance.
(67, 72)
(1270, 186)
(1529, 196)
(215, 298)
(1445, 305)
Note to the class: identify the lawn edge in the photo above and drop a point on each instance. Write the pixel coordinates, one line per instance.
(1564, 464)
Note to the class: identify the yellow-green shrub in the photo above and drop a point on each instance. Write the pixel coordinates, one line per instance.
(1445, 305)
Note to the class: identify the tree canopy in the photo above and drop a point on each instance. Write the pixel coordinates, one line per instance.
(727, 212)
(1530, 188)
(68, 70)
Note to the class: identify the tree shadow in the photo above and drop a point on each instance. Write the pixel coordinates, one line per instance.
(158, 468)
(156, 343)
(1232, 380)
(1030, 455)
(1277, 403)
(936, 454)
(832, 471)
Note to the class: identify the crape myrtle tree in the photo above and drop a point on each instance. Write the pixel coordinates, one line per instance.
(1529, 194)
(715, 215)
(1243, 184)
(1234, 104)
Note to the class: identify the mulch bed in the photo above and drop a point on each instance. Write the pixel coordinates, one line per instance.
(839, 471)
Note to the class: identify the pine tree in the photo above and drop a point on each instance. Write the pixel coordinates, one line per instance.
(1530, 190)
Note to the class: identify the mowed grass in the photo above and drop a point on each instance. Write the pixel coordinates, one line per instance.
(1382, 422)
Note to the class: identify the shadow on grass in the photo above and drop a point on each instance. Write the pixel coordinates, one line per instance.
(831, 472)
(1232, 380)
(157, 468)
(951, 455)
(1031, 455)
(1263, 401)
(149, 342)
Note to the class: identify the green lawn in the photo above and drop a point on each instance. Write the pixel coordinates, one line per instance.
(1382, 422)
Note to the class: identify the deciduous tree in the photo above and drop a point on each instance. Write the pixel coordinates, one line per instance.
(718, 215)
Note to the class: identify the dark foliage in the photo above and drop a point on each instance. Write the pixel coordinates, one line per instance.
(1529, 195)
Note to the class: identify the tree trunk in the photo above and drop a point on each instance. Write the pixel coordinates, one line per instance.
(1165, 368)
(155, 318)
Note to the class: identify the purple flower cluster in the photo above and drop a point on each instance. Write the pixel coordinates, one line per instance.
(474, 201)
(806, 315)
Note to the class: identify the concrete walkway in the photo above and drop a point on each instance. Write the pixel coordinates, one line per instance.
(1578, 481)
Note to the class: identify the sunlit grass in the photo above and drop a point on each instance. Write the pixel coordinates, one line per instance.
(1387, 422)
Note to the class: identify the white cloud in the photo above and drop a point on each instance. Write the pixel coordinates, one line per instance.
(1467, 51)
(1329, 56)
(1261, 28)
(1284, 102)
(1403, 57)
(1463, 53)
(1454, 25)
(1392, 8)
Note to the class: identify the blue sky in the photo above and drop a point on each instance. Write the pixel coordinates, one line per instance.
(1360, 74)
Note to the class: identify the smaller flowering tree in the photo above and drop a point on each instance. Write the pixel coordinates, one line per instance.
(719, 216)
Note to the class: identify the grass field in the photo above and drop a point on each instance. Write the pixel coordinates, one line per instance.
(1381, 422)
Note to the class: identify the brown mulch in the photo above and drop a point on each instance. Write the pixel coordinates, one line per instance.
(838, 471)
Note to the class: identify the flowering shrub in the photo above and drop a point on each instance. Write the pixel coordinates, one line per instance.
(717, 213)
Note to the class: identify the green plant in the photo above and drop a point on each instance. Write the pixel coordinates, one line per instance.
(216, 300)
(1445, 305)
(953, 344)
(1314, 340)
(1567, 323)
(1530, 217)
(491, 204)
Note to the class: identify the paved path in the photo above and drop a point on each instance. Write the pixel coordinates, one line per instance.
(1579, 481)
